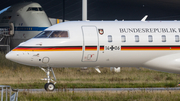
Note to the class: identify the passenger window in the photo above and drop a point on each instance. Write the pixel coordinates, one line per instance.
(150, 38)
(136, 38)
(123, 38)
(109, 38)
(163, 38)
(58, 34)
(176, 38)
(44, 34)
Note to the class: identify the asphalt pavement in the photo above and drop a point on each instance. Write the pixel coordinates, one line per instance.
(102, 89)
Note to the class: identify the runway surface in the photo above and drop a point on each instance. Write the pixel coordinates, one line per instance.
(102, 89)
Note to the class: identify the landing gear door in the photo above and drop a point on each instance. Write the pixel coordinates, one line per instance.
(90, 44)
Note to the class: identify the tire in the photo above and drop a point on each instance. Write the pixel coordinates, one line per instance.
(50, 87)
(45, 86)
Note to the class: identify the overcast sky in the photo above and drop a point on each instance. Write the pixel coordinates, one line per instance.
(109, 9)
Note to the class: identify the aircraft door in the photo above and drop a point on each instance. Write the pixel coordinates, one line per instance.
(90, 44)
(11, 29)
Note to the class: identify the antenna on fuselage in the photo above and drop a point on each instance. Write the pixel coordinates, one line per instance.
(145, 17)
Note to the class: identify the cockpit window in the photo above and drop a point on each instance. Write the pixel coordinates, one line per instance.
(52, 34)
(58, 34)
(34, 9)
(44, 34)
(41, 9)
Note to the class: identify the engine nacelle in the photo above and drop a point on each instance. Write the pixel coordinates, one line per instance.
(168, 63)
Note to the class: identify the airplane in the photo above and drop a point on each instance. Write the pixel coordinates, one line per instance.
(150, 44)
(21, 22)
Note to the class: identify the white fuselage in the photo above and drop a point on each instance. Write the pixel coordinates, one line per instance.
(28, 18)
(154, 45)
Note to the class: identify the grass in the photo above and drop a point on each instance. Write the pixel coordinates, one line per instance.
(101, 96)
(20, 76)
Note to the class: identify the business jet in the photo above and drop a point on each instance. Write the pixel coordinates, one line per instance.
(150, 44)
(22, 21)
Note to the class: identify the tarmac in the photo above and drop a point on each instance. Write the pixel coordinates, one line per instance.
(102, 89)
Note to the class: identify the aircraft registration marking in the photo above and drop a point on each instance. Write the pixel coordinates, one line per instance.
(112, 48)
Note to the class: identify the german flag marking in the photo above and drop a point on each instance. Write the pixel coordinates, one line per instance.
(147, 48)
(101, 48)
(58, 48)
(61, 48)
(90, 48)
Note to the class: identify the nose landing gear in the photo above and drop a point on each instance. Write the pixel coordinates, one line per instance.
(49, 86)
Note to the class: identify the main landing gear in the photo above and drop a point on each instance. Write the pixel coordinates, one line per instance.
(49, 86)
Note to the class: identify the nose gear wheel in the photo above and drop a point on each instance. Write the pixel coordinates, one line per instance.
(50, 85)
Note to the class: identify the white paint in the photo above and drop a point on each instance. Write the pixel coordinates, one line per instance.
(20, 17)
(97, 69)
(145, 17)
(161, 60)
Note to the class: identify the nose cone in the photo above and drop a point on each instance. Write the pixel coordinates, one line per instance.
(10, 56)
(15, 57)
(21, 58)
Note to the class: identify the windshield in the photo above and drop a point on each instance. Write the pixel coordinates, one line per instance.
(53, 34)
(35, 9)
(44, 34)
(57, 34)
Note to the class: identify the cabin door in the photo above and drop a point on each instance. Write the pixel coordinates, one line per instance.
(90, 44)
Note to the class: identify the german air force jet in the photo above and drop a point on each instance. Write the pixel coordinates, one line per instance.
(151, 44)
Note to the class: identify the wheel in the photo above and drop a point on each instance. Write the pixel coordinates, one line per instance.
(50, 87)
(45, 86)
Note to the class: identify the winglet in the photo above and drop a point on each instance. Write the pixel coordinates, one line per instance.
(97, 69)
(145, 17)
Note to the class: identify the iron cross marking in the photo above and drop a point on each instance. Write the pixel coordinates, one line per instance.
(111, 47)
